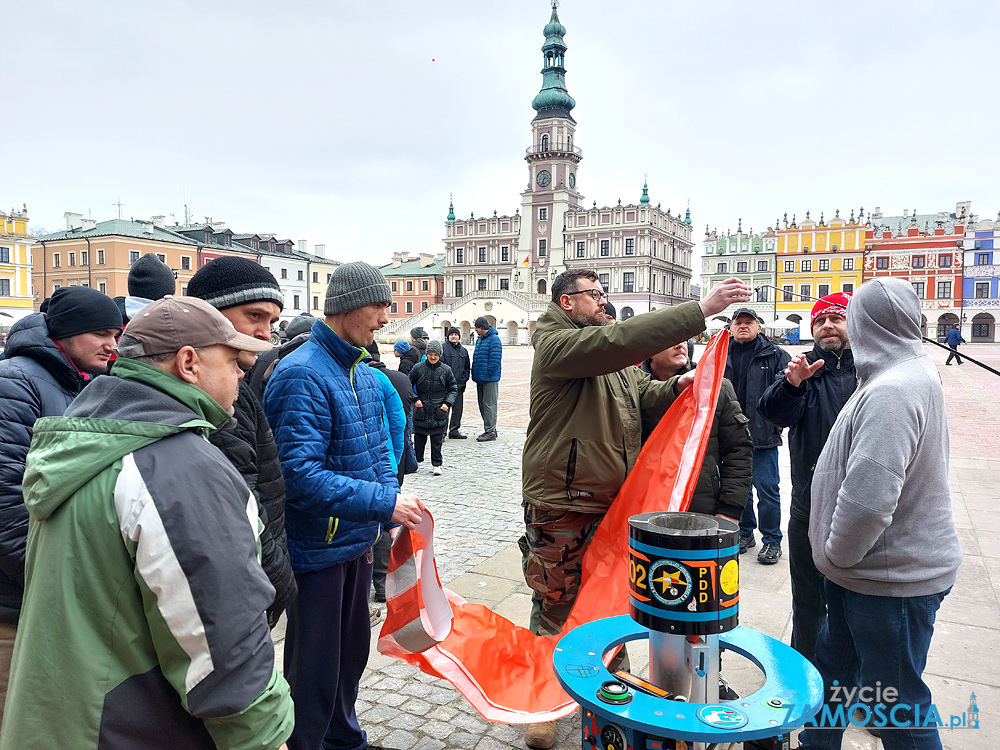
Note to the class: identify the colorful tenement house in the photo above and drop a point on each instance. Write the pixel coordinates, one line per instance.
(416, 283)
(16, 295)
(981, 281)
(502, 267)
(925, 250)
(815, 259)
(747, 256)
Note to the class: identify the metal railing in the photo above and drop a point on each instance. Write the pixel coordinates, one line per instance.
(559, 147)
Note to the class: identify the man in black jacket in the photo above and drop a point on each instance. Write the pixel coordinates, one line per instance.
(753, 364)
(249, 297)
(49, 357)
(807, 398)
(456, 357)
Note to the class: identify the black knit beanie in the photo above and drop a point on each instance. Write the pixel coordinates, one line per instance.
(482, 323)
(454, 330)
(74, 310)
(150, 278)
(227, 282)
(355, 285)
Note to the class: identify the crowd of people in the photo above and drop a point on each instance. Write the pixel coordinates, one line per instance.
(169, 490)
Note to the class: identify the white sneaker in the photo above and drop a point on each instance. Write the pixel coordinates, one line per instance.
(437, 471)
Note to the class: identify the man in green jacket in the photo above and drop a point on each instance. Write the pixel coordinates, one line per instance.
(143, 620)
(585, 429)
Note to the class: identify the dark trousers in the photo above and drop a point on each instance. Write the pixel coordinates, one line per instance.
(488, 394)
(420, 441)
(953, 353)
(808, 595)
(326, 650)
(765, 481)
(872, 641)
(455, 420)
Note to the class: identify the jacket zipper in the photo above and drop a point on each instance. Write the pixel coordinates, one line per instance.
(628, 393)
(331, 529)
(571, 468)
(333, 523)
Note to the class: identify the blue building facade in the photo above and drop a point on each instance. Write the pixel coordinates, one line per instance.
(981, 281)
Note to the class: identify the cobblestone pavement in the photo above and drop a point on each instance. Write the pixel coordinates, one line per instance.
(476, 506)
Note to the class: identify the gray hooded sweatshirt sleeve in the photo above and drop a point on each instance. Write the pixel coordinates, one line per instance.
(881, 521)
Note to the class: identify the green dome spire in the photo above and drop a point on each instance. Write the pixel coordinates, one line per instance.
(687, 215)
(451, 210)
(553, 100)
(644, 200)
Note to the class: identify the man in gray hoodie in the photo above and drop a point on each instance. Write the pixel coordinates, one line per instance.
(880, 491)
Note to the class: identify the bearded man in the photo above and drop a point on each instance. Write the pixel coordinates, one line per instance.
(807, 398)
(585, 429)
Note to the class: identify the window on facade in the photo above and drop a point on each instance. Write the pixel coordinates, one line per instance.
(847, 288)
(100, 257)
(805, 292)
(395, 286)
(822, 290)
(787, 293)
(315, 278)
(807, 266)
(789, 266)
(482, 255)
(741, 267)
(543, 248)
(4, 255)
(982, 259)
(481, 285)
(944, 261)
(505, 284)
(72, 259)
(545, 143)
(56, 261)
(848, 264)
(4, 287)
(882, 263)
(409, 286)
(330, 276)
(315, 302)
(56, 285)
(824, 265)
(423, 305)
(102, 287)
(944, 290)
(295, 301)
(605, 279)
(301, 275)
(394, 308)
(84, 257)
(185, 262)
(459, 255)
(284, 273)
(505, 254)
(605, 248)
(459, 288)
(162, 257)
(424, 286)
(720, 268)
(980, 330)
(628, 281)
(543, 214)
(761, 265)
(918, 289)
(763, 294)
(918, 261)
(630, 246)
(982, 290)
(581, 249)
(409, 307)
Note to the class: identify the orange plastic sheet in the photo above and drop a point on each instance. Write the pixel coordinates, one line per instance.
(503, 670)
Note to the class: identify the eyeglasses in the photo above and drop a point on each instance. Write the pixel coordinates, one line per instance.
(597, 294)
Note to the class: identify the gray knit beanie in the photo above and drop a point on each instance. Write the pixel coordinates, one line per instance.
(355, 285)
(435, 346)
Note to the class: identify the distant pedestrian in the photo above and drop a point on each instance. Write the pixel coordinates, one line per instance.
(486, 360)
(456, 357)
(436, 389)
(149, 279)
(408, 355)
(954, 339)
(420, 338)
(752, 365)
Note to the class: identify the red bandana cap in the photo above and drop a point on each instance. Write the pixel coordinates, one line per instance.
(831, 303)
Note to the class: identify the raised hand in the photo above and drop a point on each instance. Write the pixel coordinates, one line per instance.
(799, 369)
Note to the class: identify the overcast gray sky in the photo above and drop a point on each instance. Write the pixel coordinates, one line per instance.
(349, 123)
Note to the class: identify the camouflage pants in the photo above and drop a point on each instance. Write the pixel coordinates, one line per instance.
(552, 550)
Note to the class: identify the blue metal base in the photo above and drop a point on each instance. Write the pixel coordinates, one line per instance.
(791, 695)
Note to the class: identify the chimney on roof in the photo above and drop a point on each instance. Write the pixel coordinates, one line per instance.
(320, 250)
(399, 259)
(426, 259)
(86, 224)
(147, 227)
(73, 220)
(303, 246)
(157, 221)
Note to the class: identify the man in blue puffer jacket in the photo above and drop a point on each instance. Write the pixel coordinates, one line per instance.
(486, 375)
(325, 407)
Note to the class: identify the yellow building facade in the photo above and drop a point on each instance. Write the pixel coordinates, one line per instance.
(816, 259)
(16, 295)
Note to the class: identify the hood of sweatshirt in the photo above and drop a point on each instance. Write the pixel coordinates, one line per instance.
(883, 324)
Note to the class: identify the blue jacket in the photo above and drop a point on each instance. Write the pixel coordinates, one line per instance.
(325, 407)
(955, 337)
(393, 416)
(486, 358)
